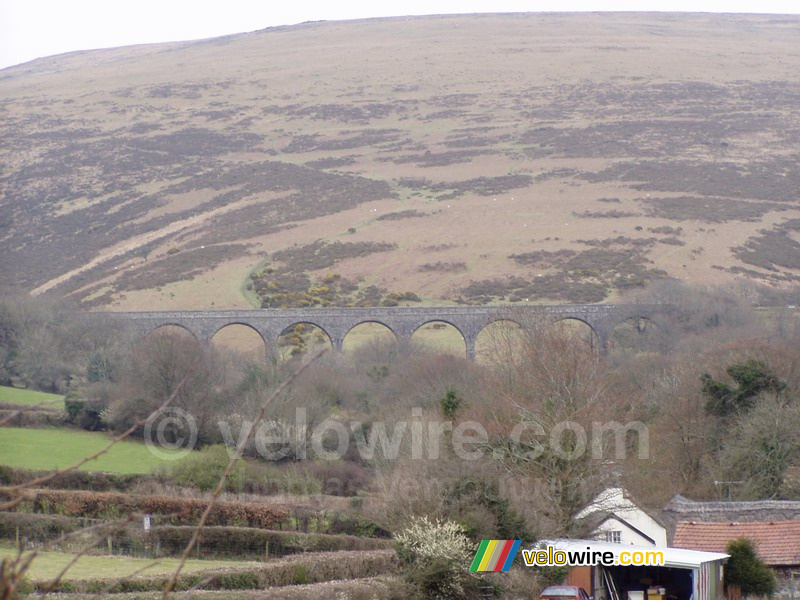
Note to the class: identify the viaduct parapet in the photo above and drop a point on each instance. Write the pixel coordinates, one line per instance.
(402, 321)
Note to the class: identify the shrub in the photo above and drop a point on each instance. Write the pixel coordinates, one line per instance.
(468, 492)
(269, 479)
(435, 554)
(451, 402)
(357, 526)
(74, 403)
(237, 581)
(6, 475)
(746, 571)
(341, 478)
(752, 376)
(300, 575)
(204, 468)
(81, 411)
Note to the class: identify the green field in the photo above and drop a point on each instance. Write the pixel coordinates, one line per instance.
(46, 449)
(10, 395)
(48, 565)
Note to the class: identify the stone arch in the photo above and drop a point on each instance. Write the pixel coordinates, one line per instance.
(501, 339)
(302, 340)
(635, 332)
(439, 342)
(593, 337)
(165, 328)
(240, 343)
(379, 329)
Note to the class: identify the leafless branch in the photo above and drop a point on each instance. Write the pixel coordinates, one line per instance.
(114, 441)
(170, 585)
(13, 573)
(51, 586)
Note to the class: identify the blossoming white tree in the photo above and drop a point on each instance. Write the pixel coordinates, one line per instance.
(438, 555)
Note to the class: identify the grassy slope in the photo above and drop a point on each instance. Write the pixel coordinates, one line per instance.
(625, 123)
(47, 565)
(45, 449)
(22, 397)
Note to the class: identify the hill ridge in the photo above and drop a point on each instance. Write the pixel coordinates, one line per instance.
(549, 157)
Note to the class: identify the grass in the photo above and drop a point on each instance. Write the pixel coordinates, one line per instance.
(48, 565)
(22, 397)
(46, 449)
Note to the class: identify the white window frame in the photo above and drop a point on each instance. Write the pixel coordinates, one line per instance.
(614, 536)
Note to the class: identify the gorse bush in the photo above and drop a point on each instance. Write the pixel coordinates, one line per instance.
(451, 402)
(751, 376)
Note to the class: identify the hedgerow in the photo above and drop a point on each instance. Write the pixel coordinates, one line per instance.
(74, 480)
(282, 572)
(79, 503)
(243, 541)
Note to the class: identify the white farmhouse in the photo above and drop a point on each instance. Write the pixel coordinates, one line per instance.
(613, 517)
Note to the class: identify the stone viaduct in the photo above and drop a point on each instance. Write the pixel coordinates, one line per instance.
(402, 321)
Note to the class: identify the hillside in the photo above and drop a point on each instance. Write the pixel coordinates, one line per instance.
(461, 158)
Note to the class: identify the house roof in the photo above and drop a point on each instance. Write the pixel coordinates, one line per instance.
(595, 505)
(752, 510)
(761, 511)
(777, 543)
(595, 520)
(680, 558)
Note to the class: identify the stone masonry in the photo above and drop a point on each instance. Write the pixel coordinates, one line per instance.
(402, 321)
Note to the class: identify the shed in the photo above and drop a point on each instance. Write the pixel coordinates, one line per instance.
(684, 574)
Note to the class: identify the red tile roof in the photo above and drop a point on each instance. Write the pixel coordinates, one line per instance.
(777, 543)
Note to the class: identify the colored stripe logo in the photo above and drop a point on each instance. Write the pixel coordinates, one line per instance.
(495, 555)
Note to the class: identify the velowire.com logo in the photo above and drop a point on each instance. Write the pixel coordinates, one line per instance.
(495, 555)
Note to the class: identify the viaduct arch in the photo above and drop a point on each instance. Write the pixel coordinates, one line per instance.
(402, 321)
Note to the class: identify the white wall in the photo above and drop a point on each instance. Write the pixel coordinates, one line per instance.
(628, 535)
(613, 501)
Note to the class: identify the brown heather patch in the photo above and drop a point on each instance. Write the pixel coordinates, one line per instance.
(403, 214)
(569, 275)
(709, 210)
(773, 249)
(443, 267)
(608, 214)
(331, 162)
